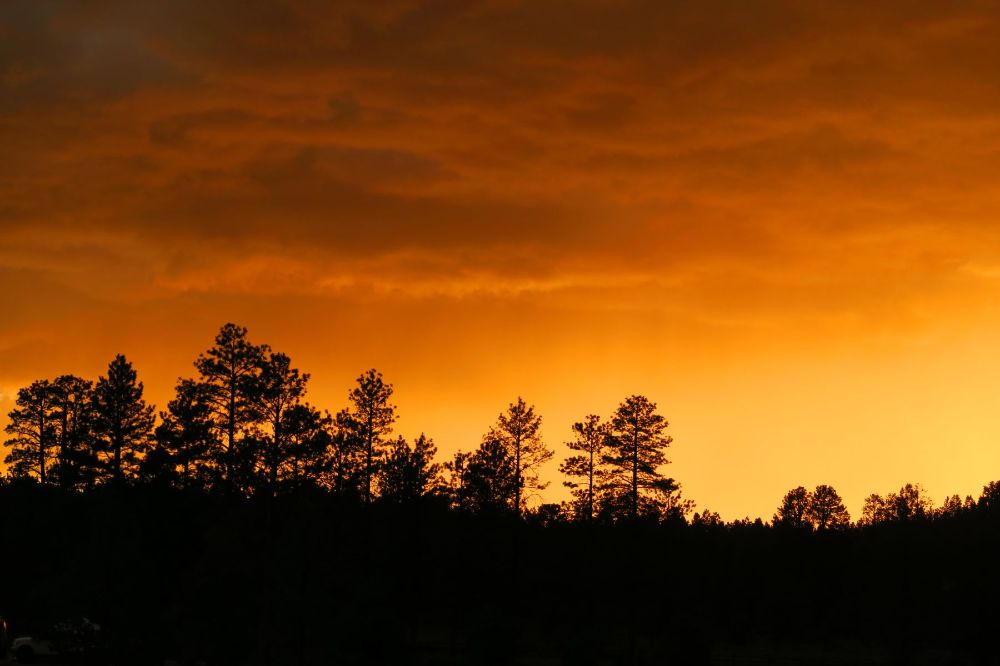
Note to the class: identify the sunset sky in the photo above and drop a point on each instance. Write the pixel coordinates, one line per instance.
(778, 220)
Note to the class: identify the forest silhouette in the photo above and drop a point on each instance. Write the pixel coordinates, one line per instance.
(244, 525)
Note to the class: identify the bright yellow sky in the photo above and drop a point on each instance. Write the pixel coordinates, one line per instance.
(777, 220)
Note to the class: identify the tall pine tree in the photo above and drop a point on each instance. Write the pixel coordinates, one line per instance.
(484, 481)
(76, 464)
(32, 430)
(281, 389)
(308, 440)
(123, 422)
(372, 417)
(637, 452)
(518, 429)
(229, 374)
(409, 473)
(185, 439)
(585, 468)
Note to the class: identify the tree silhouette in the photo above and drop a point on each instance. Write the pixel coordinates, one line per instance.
(909, 504)
(826, 510)
(373, 418)
(707, 518)
(123, 422)
(874, 510)
(953, 506)
(229, 374)
(73, 413)
(185, 439)
(307, 442)
(793, 512)
(457, 587)
(409, 473)
(517, 429)
(989, 499)
(584, 469)
(636, 453)
(488, 480)
(32, 431)
(281, 389)
(456, 479)
(345, 460)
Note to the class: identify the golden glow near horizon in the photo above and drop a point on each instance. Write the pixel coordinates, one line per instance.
(778, 221)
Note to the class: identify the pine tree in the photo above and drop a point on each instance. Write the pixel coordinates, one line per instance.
(345, 460)
(409, 473)
(32, 430)
(826, 509)
(910, 503)
(307, 444)
(585, 469)
(76, 464)
(373, 416)
(637, 451)
(456, 478)
(953, 506)
(518, 430)
(489, 478)
(793, 512)
(229, 374)
(123, 422)
(185, 439)
(874, 510)
(281, 389)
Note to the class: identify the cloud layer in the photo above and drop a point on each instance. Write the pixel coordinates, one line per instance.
(522, 188)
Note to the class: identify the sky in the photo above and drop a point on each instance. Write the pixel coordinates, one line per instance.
(776, 219)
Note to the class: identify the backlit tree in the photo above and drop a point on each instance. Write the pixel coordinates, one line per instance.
(123, 422)
(32, 430)
(372, 418)
(826, 509)
(518, 430)
(793, 511)
(590, 438)
(229, 376)
(636, 455)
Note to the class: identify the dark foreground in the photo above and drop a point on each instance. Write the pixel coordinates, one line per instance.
(309, 579)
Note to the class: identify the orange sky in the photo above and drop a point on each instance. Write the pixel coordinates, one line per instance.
(779, 220)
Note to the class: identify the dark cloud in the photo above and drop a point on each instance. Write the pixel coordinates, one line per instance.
(59, 53)
(446, 141)
(571, 200)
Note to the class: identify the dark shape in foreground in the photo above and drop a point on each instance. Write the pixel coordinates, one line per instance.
(309, 577)
(249, 527)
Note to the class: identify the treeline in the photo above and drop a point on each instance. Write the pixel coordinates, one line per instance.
(243, 427)
(244, 525)
(822, 509)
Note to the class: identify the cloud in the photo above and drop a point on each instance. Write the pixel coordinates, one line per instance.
(525, 140)
(515, 185)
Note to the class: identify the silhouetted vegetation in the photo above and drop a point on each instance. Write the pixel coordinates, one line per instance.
(245, 525)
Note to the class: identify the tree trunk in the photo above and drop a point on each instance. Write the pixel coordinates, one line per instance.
(63, 449)
(517, 464)
(231, 433)
(41, 444)
(590, 485)
(635, 474)
(275, 452)
(368, 455)
(117, 442)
